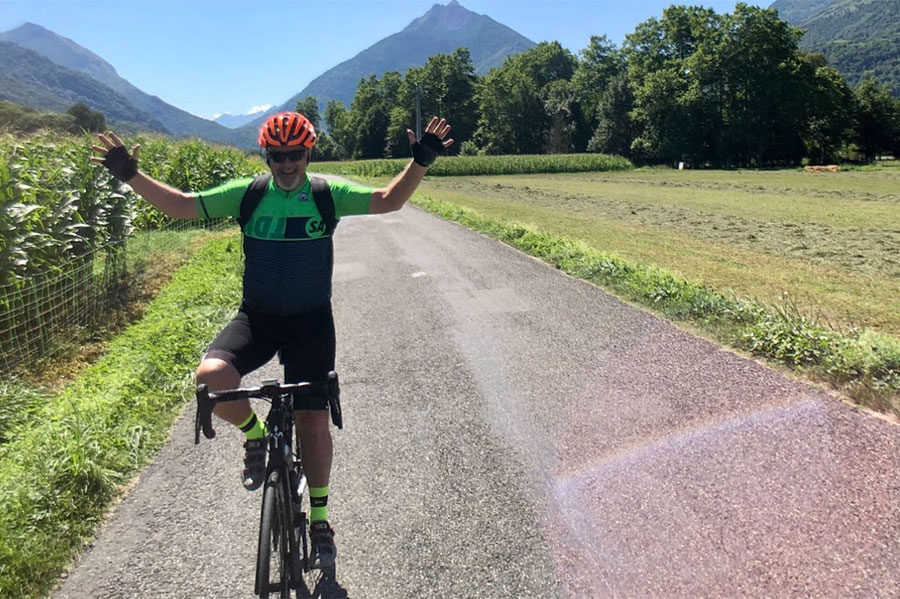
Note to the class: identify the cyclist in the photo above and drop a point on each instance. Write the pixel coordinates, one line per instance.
(286, 306)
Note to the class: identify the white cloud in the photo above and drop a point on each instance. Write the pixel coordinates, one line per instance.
(262, 108)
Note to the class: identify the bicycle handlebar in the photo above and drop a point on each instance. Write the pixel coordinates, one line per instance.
(269, 390)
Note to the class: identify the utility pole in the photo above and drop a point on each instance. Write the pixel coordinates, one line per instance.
(418, 112)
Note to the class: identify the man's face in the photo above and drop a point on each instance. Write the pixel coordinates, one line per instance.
(288, 166)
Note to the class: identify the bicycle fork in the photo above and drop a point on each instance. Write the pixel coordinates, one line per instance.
(298, 515)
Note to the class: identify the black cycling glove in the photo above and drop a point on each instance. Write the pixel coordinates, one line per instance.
(426, 150)
(121, 164)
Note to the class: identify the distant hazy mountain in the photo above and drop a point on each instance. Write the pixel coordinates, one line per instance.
(860, 38)
(442, 29)
(233, 121)
(30, 79)
(68, 54)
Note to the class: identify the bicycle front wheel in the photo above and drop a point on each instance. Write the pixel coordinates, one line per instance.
(273, 571)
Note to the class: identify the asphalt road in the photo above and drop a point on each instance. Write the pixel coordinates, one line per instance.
(513, 432)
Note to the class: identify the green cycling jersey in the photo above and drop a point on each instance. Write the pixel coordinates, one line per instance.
(288, 256)
(280, 213)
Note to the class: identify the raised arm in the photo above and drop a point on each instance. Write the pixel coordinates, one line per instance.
(425, 152)
(124, 167)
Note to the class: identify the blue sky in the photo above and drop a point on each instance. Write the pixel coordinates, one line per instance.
(213, 56)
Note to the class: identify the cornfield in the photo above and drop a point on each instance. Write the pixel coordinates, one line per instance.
(64, 223)
(484, 165)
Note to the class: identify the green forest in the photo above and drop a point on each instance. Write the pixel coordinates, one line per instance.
(706, 89)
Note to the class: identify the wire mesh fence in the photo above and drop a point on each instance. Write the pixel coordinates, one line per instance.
(38, 315)
(68, 248)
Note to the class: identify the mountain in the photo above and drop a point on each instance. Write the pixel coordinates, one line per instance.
(797, 11)
(442, 29)
(233, 121)
(31, 79)
(860, 38)
(68, 54)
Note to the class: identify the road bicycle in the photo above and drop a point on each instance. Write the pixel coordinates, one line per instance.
(283, 551)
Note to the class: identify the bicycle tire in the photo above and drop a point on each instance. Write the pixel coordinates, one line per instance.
(273, 535)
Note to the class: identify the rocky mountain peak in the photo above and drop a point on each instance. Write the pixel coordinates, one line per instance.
(451, 17)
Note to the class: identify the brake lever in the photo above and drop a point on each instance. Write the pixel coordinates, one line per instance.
(333, 389)
(204, 415)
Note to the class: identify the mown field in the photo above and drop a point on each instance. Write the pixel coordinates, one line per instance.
(829, 241)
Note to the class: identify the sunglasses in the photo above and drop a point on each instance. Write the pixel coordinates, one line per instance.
(292, 155)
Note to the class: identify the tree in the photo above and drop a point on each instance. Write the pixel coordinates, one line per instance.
(830, 112)
(613, 134)
(337, 120)
(327, 148)
(600, 63)
(309, 107)
(87, 119)
(675, 76)
(513, 116)
(447, 84)
(369, 115)
(877, 119)
(567, 132)
(663, 114)
(720, 90)
(24, 119)
(765, 99)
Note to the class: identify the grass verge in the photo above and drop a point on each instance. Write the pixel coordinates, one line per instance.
(152, 258)
(863, 364)
(60, 472)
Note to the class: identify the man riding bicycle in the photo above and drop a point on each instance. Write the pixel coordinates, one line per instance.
(286, 305)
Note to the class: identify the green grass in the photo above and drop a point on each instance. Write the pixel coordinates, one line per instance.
(60, 471)
(175, 244)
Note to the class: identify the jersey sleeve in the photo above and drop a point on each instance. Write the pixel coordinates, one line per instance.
(222, 200)
(350, 198)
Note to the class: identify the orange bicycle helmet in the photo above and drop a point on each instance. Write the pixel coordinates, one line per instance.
(287, 130)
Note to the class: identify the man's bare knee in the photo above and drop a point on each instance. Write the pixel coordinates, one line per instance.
(218, 374)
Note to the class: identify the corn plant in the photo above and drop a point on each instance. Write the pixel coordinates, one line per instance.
(64, 222)
(485, 165)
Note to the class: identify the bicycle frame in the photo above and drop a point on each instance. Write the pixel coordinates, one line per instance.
(283, 456)
(286, 461)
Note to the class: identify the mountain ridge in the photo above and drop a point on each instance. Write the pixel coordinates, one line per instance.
(340, 82)
(59, 88)
(860, 38)
(70, 55)
(442, 29)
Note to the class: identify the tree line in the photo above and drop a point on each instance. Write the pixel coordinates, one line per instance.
(693, 86)
(15, 118)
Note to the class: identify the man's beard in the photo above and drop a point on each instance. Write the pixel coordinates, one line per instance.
(288, 182)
